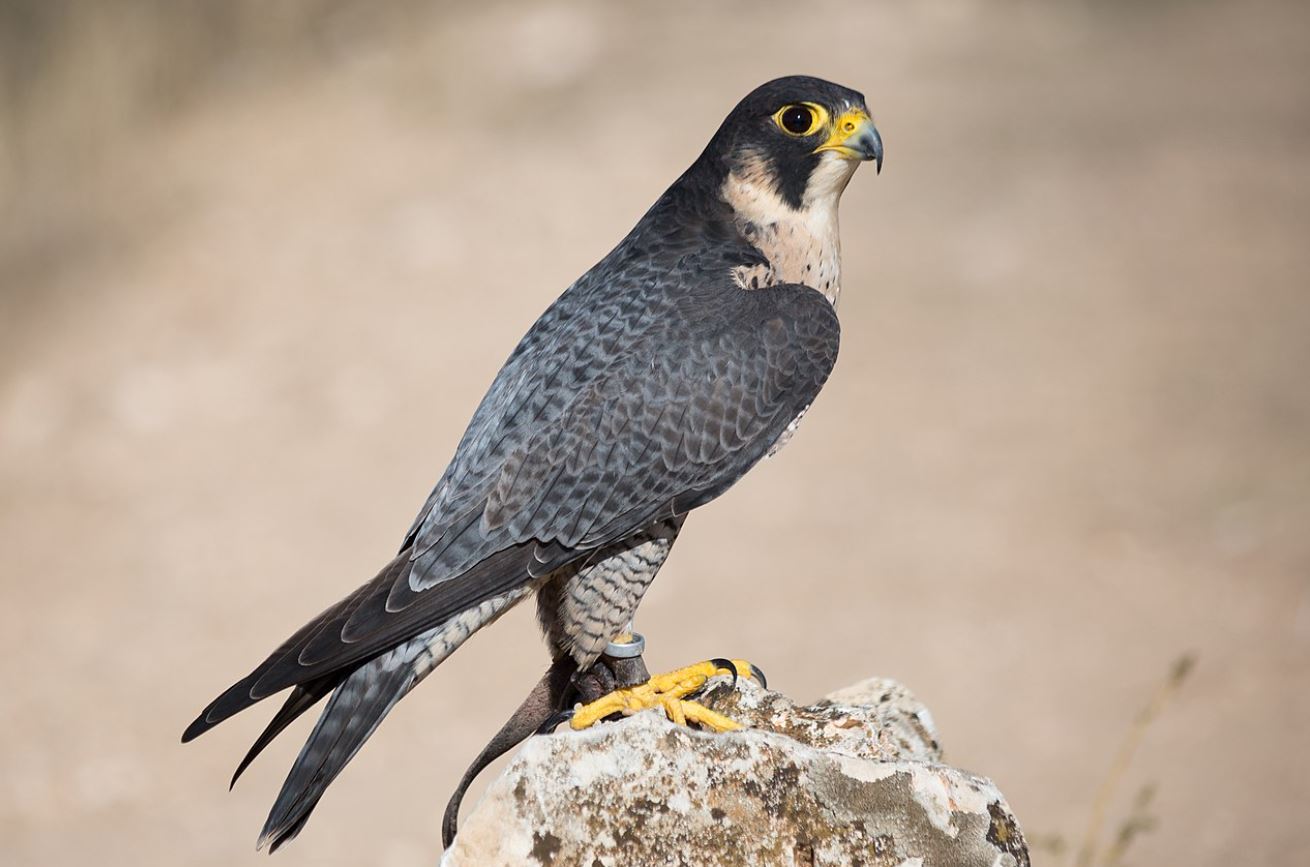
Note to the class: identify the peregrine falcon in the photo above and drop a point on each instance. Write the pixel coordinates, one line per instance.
(648, 388)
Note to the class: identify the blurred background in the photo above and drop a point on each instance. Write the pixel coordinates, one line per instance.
(258, 263)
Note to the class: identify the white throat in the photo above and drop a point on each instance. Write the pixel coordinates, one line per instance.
(803, 245)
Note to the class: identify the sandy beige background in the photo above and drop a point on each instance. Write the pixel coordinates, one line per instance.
(257, 267)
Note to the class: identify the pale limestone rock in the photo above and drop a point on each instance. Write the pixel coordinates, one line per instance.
(854, 779)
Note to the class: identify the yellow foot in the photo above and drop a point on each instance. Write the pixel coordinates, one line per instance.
(666, 691)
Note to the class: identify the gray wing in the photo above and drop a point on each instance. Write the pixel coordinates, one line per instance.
(672, 427)
(582, 441)
(650, 415)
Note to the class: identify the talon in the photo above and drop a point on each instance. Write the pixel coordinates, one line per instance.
(555, 720)
(668, 692)
(736, 666)
(720, 662)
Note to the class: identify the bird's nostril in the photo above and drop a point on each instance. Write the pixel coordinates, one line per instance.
(849, 126)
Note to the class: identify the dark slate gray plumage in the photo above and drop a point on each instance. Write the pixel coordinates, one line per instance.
(647, 389)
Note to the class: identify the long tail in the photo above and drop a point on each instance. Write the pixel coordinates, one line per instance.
(361, 700)
(356, 709)
(383, 614)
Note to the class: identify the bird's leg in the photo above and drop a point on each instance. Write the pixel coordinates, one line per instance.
(635, 690)
(667, 691)
(622, 660)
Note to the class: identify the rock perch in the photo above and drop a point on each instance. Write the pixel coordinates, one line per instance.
(854, 779)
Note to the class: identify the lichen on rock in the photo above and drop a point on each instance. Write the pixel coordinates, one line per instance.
(854, 779)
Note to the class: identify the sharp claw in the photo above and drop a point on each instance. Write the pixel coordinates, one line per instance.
(719, 662)
(555, 721)
(758, 676)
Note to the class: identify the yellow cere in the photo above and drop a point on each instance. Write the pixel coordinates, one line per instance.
(848, 124)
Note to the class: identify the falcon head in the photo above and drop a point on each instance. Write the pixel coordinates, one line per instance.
(799, 138)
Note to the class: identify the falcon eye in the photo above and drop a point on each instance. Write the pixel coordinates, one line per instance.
(800, 120)
(797, 119)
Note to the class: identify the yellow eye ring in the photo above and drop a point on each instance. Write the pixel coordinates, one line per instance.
(800, 119)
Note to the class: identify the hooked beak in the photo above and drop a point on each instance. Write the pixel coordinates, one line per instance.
(855, 137)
